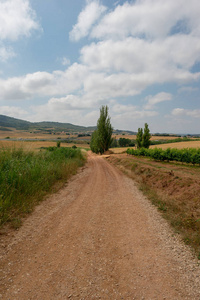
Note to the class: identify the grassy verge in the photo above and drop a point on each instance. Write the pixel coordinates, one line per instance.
(26, 177)
(174, 189)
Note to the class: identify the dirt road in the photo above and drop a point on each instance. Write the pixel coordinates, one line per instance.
(98, 238)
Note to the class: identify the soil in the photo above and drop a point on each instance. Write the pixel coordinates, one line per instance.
(98, 238)
(177, 184)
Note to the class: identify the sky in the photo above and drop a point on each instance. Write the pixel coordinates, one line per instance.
(61, 60)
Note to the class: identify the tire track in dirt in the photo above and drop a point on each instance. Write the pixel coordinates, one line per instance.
(98, 238)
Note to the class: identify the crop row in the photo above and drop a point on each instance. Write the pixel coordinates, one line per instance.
(189, 155)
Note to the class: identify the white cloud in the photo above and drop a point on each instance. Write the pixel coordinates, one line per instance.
(195, 113)
(69, 109)
(129, 116)
(43, 84)
(90, 14)
(152, 19)
(131, 111)
(19, 88)
(153, 100)
(133, 55)
(70, 102)
(17, 19)
(101, 86)
(118, 68)
(13, 111)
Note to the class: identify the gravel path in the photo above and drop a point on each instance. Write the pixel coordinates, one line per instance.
(98, 238)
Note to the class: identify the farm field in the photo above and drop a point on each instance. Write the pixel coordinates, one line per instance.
(21, 134)
(179, 145)
(35, 145)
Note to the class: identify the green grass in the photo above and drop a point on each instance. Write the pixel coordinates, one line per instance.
(26, 177)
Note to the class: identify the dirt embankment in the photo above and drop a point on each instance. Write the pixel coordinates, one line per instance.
(98, 238)
(173, 187)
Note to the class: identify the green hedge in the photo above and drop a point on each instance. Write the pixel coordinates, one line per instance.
(189, 155)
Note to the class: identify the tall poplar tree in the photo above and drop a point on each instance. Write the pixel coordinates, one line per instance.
(146, 136)
(143, 137)
(102, 137)
(139, 138)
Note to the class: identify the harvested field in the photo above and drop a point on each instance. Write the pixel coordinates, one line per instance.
(119, 150)
(35, 145)
(181, 145)
(21, 134)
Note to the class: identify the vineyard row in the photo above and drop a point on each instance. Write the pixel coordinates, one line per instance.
(189, 155)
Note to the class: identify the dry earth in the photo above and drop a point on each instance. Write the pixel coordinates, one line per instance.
(98, 238)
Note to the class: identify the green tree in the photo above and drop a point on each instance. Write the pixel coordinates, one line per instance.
(123, 142)
(139, 138)
(146, 136)
(102, 137)
(94, 143)
(114, 143)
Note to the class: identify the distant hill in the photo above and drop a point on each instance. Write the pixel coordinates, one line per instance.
(8, 122)
(25, 125)
(14, 123)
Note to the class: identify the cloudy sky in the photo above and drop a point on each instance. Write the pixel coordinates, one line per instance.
(60, 60)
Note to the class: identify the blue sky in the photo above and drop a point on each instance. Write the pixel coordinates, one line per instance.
(61, 60)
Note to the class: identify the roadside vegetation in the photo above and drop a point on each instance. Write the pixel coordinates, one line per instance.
(172, 187)
(191, 155)
(26, 177)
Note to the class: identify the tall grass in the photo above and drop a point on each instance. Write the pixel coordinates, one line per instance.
(25, 177)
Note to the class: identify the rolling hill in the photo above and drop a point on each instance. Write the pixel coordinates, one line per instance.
(18, 124)
(13, 123)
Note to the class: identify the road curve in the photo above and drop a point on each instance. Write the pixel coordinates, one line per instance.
(98, 238)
